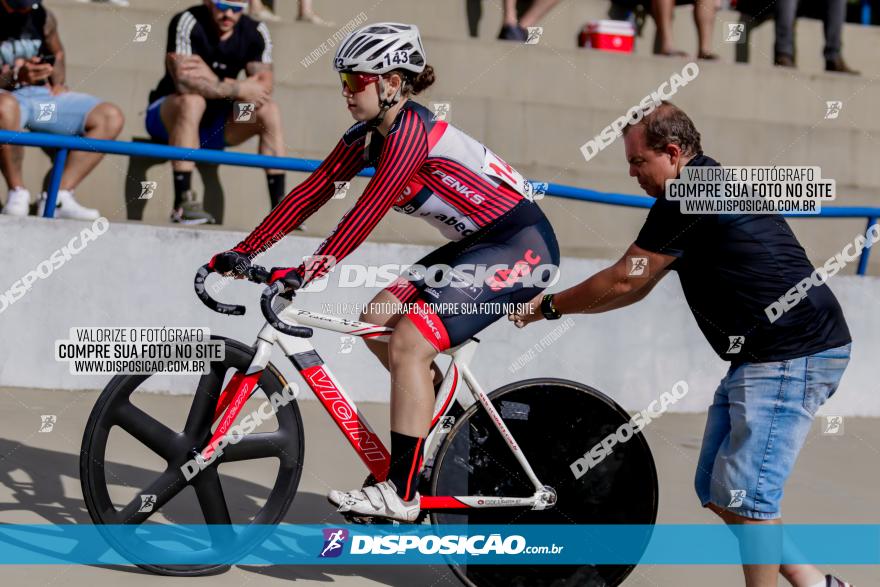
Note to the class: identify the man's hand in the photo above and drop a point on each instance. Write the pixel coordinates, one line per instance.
(7, 74)
(529, 313)
(251, 90)
(193, 66)
(32, 71)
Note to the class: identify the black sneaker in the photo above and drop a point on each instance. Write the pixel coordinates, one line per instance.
(513, 32)
(832, 581)
(191, 211)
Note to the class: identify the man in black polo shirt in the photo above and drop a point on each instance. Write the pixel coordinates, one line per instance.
(731, 267)
(201, 103)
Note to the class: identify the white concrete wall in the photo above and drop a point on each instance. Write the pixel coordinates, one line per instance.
(137, 275)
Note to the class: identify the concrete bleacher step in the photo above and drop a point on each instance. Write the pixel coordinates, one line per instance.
(529, 133)
(534, 105)
(544, 73)
(561, 26)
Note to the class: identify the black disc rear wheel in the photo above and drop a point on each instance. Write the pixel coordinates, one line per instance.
(554, 422)
(109, 479)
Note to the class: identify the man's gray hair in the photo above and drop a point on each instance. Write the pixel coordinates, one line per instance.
(669, 124)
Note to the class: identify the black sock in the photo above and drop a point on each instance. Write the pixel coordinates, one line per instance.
(276, 188)
(182, 183)
(406, 463)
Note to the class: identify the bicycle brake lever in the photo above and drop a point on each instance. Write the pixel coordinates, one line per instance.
(258, 274)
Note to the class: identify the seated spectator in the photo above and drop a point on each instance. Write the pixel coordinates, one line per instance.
(200, 102)
(33, 96)
(832, 13)
(704, 18)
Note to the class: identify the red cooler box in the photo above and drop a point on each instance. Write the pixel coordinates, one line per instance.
(608, 35)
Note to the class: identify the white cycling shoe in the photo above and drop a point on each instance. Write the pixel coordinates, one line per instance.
(18, 202)
(67, 207)
(380, 500)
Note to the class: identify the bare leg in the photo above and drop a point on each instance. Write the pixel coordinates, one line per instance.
(181, 115)
(755, 575)
(412, 393)
(801, 575)
(662, 12)
(103, 122)
(765, 575)
(11, 157)
(536, 12)
(508, 16)
(704, 18)
(385, 299)
(267, 126)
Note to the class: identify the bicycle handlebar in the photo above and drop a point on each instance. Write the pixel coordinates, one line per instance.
(277, 323)
(255, 274)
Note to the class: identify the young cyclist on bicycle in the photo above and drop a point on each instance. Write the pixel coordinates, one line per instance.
(431, 170)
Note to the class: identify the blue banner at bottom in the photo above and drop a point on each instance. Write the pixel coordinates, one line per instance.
(425, 544)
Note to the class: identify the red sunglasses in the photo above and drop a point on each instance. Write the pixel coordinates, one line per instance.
(357, 82)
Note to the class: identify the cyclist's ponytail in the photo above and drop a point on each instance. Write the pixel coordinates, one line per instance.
(422, 81)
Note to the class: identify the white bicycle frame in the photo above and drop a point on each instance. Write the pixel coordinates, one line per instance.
(344, 411)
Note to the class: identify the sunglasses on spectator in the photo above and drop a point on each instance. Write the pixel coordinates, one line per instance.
(21, 6)
(357, 82)
(224, 5)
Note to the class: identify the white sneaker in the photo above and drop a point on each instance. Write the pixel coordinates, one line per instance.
(67, 207)
(379, 500)
(18, 202)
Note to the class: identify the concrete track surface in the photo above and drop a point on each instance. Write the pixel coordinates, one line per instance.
(834, 481)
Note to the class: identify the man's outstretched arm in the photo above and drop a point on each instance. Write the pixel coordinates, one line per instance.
(613, 287)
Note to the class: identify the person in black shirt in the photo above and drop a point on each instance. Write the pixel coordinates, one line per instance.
(732, 267)
(201, 103)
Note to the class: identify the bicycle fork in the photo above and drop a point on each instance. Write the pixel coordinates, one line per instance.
(240, 388)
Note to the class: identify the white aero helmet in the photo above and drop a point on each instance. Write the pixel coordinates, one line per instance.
(380, 48)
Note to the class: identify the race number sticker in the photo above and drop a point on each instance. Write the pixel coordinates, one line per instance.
(396, 58)
(496, 167)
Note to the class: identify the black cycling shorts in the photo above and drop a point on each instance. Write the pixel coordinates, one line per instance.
(464, 286)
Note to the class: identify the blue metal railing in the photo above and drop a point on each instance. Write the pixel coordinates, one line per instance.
(64, 144)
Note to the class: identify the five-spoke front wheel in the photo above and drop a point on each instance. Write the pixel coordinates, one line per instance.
(119, 491)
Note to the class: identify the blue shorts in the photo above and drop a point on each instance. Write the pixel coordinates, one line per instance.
(64, 114)
(211, 128)
(756, 427)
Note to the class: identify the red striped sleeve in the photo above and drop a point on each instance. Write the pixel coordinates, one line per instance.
(343, 163)
(404, 152)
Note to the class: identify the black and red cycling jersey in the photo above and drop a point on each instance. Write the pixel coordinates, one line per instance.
(425, 168)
